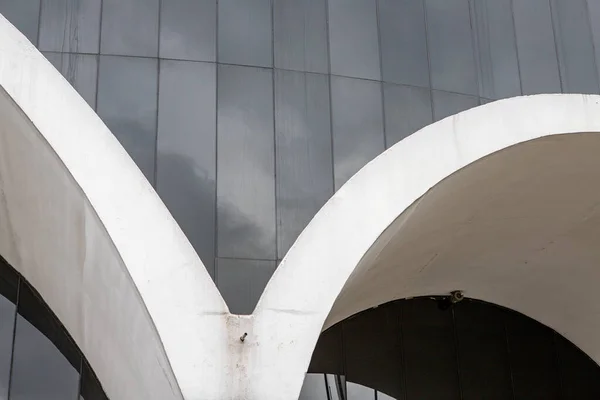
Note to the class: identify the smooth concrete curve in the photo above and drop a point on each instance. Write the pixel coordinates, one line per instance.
(81, 223)
(501, 201)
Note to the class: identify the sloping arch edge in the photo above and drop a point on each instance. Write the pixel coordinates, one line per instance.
(303, 290)
(80, 222)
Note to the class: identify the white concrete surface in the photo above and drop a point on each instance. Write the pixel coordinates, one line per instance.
(501, 201)
(85, 228)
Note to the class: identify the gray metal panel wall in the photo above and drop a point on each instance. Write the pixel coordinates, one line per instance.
(262, 146)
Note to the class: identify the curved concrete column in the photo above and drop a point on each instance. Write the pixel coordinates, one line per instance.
(501, 201)
(80, 222)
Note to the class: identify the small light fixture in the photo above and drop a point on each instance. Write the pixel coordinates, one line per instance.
(456, 296)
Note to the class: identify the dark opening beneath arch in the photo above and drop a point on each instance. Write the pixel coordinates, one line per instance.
(422, 349)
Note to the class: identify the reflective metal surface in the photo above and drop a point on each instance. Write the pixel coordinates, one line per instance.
(254, 273)
(24, 15)
(130, 27)
(245, 163)
(377, 70)
(245, 32)
(451, 46)
(303, 152)
(403, 31)
(126, 101)
(300, 35)
(495, 48)
(185, 161)
(70, 26)
(446, 104)
(357, 125)
(353, 38)
(188, 30)
(40, 370)
(81, 70)
(574, 46)
(407, 109)
(248, 115)
(538, 62)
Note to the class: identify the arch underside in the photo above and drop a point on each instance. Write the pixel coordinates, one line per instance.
(518, 228)
(500, 201)
(50, 233)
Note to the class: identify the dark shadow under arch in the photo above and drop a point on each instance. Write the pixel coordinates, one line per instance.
(421, 349)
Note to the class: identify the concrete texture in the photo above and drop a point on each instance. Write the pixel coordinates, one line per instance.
(499, 201)
(85, 228)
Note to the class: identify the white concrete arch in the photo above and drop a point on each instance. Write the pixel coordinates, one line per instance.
(501, 201)
(80, 222)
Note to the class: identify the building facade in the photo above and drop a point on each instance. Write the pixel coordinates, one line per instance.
(246, 117)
